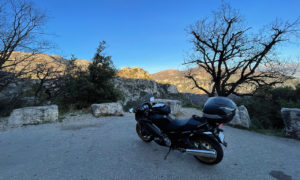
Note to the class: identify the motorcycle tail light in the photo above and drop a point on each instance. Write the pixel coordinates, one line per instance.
(220, 125)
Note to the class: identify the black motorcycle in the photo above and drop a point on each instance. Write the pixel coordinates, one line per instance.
(198, 136)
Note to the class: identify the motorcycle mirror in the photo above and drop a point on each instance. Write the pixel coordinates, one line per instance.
(152, 99)
(131, 110)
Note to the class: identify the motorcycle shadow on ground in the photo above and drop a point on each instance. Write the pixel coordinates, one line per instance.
(155, 154)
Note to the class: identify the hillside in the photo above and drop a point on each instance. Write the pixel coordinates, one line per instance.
(170, 76)
(185, 85)
(178, 79)
(58, 63)
(30, 62)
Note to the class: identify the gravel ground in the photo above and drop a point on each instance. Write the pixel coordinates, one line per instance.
(84, 147)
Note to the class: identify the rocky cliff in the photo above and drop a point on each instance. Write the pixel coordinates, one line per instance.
(135, 89)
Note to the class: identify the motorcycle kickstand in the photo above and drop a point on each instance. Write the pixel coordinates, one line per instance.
(170, 148)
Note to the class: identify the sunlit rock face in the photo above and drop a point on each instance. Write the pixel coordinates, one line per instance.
(133, 73)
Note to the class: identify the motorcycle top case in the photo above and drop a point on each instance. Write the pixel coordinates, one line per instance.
(161, 109)
(219, 109)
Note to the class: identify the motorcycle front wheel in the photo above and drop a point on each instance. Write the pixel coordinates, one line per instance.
(143, 134)
(208, 143)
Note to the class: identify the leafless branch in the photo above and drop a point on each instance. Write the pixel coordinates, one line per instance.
(20, 30)
(233, 56)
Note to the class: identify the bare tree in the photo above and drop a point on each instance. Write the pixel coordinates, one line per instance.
(45, 74)
(52, 76)
(20, 30)
(235, 57)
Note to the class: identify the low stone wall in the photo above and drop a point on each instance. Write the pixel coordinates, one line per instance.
(175, 105)
(107, 109)
(33, 115)
(291, 120)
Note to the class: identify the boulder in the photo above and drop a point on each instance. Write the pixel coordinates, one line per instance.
(172, 89)
(291, 120)
(241, 117)
(175, 105)
(33, 115)
(107, 109)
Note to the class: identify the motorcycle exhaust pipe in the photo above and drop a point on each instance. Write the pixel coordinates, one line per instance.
(202, 153)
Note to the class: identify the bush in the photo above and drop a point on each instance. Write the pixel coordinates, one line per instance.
(83, 87)
(9, 104)
(264, 107)
(289, 104)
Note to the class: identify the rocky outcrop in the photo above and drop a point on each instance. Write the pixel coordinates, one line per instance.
(134, 89)
(175, 105)
(107, 109)
(134, 73)
(33, 115)
(241, 117)
(291, 119)
(14, 89)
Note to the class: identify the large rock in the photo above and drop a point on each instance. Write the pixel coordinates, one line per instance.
(107, 109)
(175, 105)
(241, 117)
(33, 115)
(291, 120)
(172, 89)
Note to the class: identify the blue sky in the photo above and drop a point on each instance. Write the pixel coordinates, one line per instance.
(146, 33)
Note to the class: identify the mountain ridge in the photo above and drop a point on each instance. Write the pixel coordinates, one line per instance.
(169, 76)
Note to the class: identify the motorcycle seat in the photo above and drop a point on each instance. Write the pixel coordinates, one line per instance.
(185, 124)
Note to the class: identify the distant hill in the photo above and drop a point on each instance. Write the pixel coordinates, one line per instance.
(170, 76)
(185, 85)
(55, 61)
(58, 62)
(177, 78)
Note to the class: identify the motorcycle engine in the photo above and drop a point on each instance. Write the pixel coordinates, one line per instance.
(164, 141)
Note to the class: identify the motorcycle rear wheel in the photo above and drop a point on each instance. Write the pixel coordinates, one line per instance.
(146, 137)
(208, 143)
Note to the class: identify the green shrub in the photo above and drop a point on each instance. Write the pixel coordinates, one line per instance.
(265, 105)
(9, 104)
(81, 87)
(289, 104)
